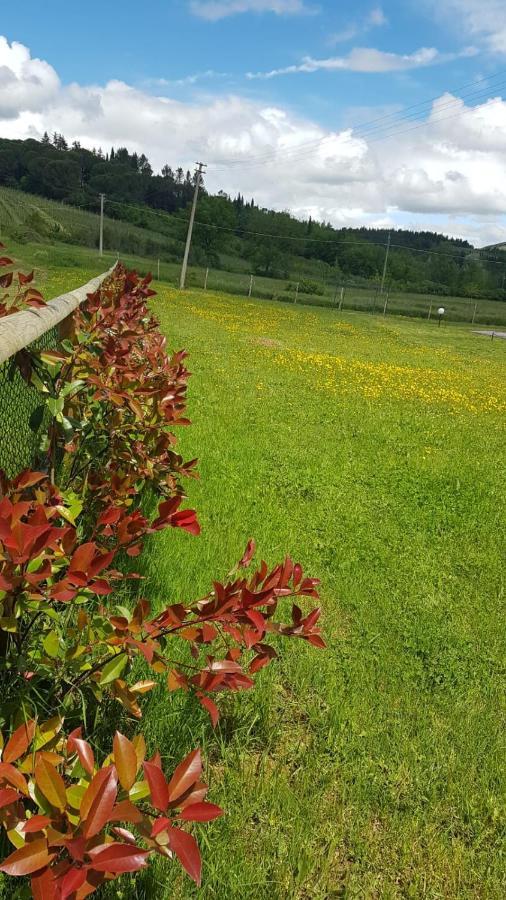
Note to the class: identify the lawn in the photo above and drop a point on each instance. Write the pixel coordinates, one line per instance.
(372, 451)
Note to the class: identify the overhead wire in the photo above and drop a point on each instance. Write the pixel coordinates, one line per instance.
(371, 131)
(461, 252)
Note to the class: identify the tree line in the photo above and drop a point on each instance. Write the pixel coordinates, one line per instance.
(274, 243)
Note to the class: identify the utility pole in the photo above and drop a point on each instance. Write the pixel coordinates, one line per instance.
(198, 176)
(101, 237)
(385, 267)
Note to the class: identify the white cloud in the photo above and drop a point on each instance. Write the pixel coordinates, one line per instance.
(213, 10)
(482, 19)
(188, 80)
(375, 18)
(452, 171)
(25, 83)
(367, 59)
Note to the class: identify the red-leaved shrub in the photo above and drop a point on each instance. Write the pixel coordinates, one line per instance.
(68, 644)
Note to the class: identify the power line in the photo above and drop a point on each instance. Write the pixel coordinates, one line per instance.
(459, 252)
(378, 132)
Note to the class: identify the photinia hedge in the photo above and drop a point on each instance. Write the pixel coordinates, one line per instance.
(69, 645)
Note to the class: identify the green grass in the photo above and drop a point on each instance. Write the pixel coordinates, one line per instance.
(51, 234)
(372, 451)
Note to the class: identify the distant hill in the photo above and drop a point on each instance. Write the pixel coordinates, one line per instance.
(493, 247)
(231, 232)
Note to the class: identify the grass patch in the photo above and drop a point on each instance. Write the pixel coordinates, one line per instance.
(373, 452)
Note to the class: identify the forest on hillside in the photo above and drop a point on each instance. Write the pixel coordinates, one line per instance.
(227, 227)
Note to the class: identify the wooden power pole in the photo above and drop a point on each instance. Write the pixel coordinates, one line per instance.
(101, 235)
(198, 176)
(385, 267)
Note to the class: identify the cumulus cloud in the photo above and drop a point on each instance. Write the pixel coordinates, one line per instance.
(25, 83)
(483, 19)
(452, 171)
(213, 10)
(367, 59)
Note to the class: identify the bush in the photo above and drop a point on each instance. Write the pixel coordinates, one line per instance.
(69, 646)
(307, 287)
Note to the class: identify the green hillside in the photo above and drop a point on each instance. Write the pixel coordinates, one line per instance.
(231, 234)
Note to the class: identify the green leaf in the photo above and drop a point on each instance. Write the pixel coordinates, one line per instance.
(55, 405)
(113, 669)
(37, 417)
(123, 611)
(71, 387)
(52, 644)
(139, 791)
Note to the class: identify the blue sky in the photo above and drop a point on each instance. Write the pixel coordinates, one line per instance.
(172, 41)
(235, 80)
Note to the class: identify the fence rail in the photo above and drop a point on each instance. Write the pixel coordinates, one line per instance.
(22, 419)
(23, 328)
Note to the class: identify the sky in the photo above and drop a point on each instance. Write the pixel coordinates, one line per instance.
(366, 113)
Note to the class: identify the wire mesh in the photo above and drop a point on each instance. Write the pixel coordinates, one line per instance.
(23, 417)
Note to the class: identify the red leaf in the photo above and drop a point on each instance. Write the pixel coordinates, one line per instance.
(19, 742)
(201, 812)
(7, 796)
(248, 554)
(158, 787)
(125, 811)
(5, 261)
(100, 587)
(212, 709)
(125, 759)
(185, 775)
(13, 776)
(160, 825)
(36, 823)
(258, 663)
(72, 881)
(82, 748)
(42, 885)
(6, 280)
(28, 859)
(28, 479)
(110, 516)
(25, 279)
(82, 557)
(125, 834)
(118, 858)
(317, 641)
(98, 801)
(186, 849)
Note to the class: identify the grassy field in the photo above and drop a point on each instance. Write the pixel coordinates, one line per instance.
(372, 451)
(51, 234)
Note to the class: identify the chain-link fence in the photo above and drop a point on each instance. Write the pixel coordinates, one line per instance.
(24, 417)
(21, 423)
